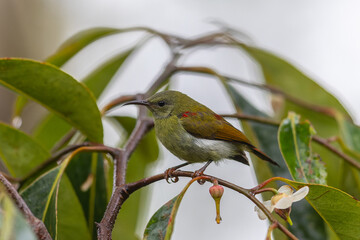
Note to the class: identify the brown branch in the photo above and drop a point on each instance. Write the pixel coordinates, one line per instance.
(37, 226)
(252, 118)
(317, 139)
(317, 108)
(169, 69)
(116, 102)
(347, 158)
(123, 193)
(121, 159)
(64, 140)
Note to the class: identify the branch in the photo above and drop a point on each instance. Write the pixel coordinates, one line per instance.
(347, 158)
(58, 155)
(143, 125)
(317, 139)
(317, 108)
(123, 193)
(37, 226)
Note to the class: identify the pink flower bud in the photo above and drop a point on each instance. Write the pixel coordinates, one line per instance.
(216, 191)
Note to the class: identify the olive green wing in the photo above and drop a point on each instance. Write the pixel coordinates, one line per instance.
(211, 126)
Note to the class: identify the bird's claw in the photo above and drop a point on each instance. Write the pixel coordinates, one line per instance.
(168, 175)
(199, 173)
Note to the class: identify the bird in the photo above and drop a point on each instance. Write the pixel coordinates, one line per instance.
(194, 133)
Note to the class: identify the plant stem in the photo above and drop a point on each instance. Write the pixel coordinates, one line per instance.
(37, 225)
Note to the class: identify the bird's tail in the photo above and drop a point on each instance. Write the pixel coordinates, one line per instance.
(262, 155)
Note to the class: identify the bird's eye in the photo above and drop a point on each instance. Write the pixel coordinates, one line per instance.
(161, 103)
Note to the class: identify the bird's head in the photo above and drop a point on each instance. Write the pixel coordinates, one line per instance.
(166, 103)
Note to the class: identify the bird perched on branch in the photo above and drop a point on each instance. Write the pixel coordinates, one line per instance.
(194, 133)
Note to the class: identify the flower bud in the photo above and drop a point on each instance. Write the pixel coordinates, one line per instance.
(216, 191)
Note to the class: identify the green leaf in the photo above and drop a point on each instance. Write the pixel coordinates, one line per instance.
(77, 42)
(161, 224)
(262, 135)
(144, 155)
(51, 129)
(70, 48)
(350, 144)
(339, 210)
(284, 76)
(56, 90)
(265, 136)
(13, 225)
(87, 175)
(294, 141)
(19, 152)
(19, 105)
(97, 80)
(52, 199)
(350, 134)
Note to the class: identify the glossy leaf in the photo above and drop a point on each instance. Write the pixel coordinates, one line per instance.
(338, 209)
(161, 224)
(87, 176)
(52, 128)
(19, 152)
(99, 79)
(56, 90)
(144, 155)
(13, 225)
(77, 42)
(294, 141)
(52, 199)
(350, 133)
(265, 136)
(284, 76)
(350, 144)
(262, 135)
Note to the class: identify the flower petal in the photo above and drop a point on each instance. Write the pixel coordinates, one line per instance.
(284, 203)
(300, 194)
(286, 189)
(260, 213)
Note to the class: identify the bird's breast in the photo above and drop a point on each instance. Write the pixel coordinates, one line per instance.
(189, 148)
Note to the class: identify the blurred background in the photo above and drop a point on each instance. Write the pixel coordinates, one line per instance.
(321, 38)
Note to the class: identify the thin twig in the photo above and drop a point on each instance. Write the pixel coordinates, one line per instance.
(347, 158)
(251, 118)
(58, 155)
(117, 101)
(64, 140)
(317, 108)
(317, 139)
(37, 226)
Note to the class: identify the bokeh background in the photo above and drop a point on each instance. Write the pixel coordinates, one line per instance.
(320, 37)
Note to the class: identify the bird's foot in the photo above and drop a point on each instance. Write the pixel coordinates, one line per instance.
(169, 175)
(199, 173)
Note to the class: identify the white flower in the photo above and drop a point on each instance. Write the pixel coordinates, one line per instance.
(283, 199)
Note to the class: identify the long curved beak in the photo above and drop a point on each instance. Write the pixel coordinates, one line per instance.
(137, 102)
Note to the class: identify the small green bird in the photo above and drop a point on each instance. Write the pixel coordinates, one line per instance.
(194, 133)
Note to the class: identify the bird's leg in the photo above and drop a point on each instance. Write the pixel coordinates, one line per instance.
(168, 172)
(201, 170)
